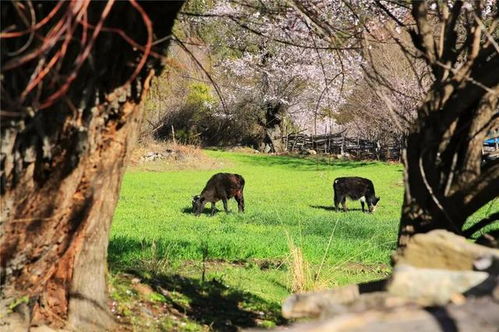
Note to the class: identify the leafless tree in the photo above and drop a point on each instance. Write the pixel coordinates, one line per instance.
(382, 104)
(445, 180)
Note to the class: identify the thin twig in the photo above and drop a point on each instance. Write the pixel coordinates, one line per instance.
(200, 65)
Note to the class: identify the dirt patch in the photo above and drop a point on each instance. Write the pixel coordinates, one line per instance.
(220, 264)
(241, 149)
(162, 156)
(371, 268)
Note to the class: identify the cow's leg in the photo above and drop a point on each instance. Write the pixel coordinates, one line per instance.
(201, 208)
(224, 200)
(240, 202)
(344, 204)
(212, 208)
(362, 203)
(337, 201)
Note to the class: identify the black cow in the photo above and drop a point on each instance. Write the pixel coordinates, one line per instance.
(354, 188)
(221, 186)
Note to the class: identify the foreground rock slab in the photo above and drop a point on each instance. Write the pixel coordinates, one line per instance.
(440, 249)
(473, 316)
(432, 287)
(441, 282)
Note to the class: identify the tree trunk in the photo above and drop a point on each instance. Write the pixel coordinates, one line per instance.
(62, 164)
(445, 179)
(446, 184)
(272, 125)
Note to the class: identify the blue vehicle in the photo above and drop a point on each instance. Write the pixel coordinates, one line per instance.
(491, 141)
(490, 149)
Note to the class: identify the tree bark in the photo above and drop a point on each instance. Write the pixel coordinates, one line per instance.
(272, 126)
(62, 165)
(445, 179)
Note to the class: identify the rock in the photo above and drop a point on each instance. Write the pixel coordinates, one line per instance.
(441, 282)
(314, 304)
(143, 289)
(152, 156)
(430, 287)
(369, 301)
(440, 249)
(329, 302)
(13, 321)
(308, 152)
(475, 315)
(488, 264)
(44, 328)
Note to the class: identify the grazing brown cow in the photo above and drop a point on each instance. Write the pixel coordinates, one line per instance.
(221, 186)
(354, 188)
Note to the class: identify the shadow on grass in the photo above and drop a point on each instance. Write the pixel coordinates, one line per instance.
(332, 208)
(304, 163)
(215, 304)
(206, 211)
(209, 302)
(122, 250)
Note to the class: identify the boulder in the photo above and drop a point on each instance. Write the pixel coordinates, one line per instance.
(329, 302)
(474, 315)
(432, 287)
(315, 303)
(441, 282)
(441, 249)
(152, 156)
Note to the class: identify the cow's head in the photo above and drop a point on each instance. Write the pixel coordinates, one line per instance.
(372, 203)
(197, 204)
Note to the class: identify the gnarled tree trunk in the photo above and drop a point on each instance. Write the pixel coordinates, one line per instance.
(71, 104)
(445, 179)
(272, 141)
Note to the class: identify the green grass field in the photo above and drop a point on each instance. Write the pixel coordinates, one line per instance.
(288, 205)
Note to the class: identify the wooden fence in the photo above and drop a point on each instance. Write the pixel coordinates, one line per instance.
(365, 149)
(339, 144)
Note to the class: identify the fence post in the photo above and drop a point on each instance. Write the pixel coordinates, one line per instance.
(173, 136)
(342, 148)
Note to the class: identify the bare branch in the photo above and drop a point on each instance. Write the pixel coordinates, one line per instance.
(389, 13)
(450, 36)
(424, 39)
(193, 57)
(486, 32)
(450, 222)
(484, 189)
